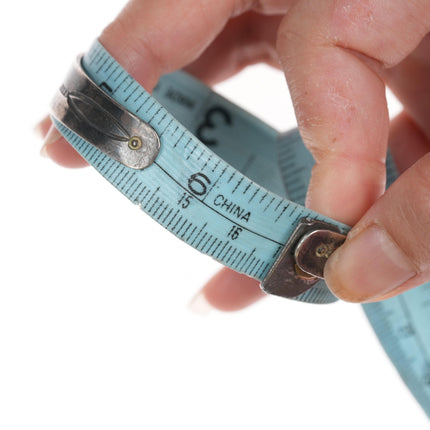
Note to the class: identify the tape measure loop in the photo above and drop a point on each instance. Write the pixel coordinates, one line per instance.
(232, 199)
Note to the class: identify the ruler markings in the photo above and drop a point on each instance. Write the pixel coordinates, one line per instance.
(155, 114)
(162, 118)
(171, 219)
(121, 183)
(253, 196)
(216, 248)
(231, 177)
(144, 197)
(153, 205)
(138, 97)
(223, 258)
(167, 216)
(207, 161)
(192, 151)
(138, 197)
(214, 210)
(156, 211)
(182, 226)
(102, 65)
(211, 245)
(186, 230)
(249, 256)
(278, 205)
(251, 270)
(216, 166)
(180, 138)
(115, 69)
(199, 233)
(147, 99)
(136, 88)
(267, 206)
(235, 259)
(215, 183)
(247, 187)
(191, 234)
(229, 258)
(207, 241)
(177, 222)
(249, 264)
(418, 339)
(292, 212)
(238, 184)
(263, 198)
(118, 174)
(258, 270)
(188, 142)
(244, 254)
(167, 127)
(221, 250)
(128, 191)
(282, 213)
(201, 154)
(201, 240)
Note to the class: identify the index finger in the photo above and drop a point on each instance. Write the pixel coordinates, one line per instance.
(153, 37)
(332, 53)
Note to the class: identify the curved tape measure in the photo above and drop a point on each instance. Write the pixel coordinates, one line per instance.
(230, 186)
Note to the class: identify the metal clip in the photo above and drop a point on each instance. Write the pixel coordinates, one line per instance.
(300, 265)
(89, 112)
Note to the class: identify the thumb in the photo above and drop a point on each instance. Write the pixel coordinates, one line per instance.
(388, 251)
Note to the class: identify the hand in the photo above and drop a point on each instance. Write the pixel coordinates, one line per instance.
(337, 57)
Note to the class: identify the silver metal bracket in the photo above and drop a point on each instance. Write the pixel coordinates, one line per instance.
(89, 112)
(300, 265)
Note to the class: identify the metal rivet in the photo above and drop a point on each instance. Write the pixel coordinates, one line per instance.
(323, 251)
(135, 143)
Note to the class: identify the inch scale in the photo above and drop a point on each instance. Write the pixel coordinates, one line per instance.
(230, 186)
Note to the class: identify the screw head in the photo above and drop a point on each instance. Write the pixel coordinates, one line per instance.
(135, 143)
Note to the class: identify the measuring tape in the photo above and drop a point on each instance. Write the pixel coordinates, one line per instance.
(230, 186)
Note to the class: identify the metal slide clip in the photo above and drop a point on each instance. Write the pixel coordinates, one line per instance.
(89, 112)
(300, 265)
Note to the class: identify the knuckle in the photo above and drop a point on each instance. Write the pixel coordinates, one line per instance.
(365, 28)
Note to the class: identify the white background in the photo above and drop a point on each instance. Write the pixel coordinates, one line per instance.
(95, 332)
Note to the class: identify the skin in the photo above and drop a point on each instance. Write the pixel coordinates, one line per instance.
(338, 56)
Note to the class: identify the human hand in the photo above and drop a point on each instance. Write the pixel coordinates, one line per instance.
(337, 58)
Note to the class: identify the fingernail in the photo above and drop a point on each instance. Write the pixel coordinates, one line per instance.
(52, 136)
(199, 304)
(369, 265)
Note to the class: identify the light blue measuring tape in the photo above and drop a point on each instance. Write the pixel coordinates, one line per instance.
(230, 186)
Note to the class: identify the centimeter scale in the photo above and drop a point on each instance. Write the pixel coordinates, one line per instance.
(230, 186)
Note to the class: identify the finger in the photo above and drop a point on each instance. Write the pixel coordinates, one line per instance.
(387, 252)
(407, 142)
(247, 39)
(409, 81)
(141, 37)
(227, 291)
(59, 150)
(56, 147)
(42, 127)
(332, 53)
